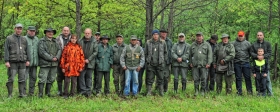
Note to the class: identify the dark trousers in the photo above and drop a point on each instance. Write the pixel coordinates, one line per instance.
(140, 78)
(95, 80)
(31, 74)
(228, 80)
(199, 77)
(60, 78)
(106, 76)
(119, 78)
(261, 83)
(73, 85)
(153, 71)
(85, 81)
(243, 69)
(210, 85)
(183, 70)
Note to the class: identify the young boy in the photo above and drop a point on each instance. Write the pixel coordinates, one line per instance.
(260, 69)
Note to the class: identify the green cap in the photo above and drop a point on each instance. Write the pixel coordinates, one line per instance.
(31, 28)
(19, 25)
(133, 37)
(225, 35)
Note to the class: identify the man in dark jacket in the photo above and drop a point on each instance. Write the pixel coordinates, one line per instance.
(16, 57)
(90, 49)
(62, 40)
(211, 74)
(242, 63)
(260, 43)
(31, 70)
(104, 61)
(49, 55)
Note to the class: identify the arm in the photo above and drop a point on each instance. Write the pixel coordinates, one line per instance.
(122, 58)
(186, 54)
(6, 50)
(267, 54)
(165, 51)
(82, 57)
(215, 55)
(253, 67)
(231, 54)
(95, 51)
(173, 52)
(111, 56)
(59, 52)
(253, 52)
(142, 60)
(210, 55)
(63, 58)
(190, 56)
(266, 66)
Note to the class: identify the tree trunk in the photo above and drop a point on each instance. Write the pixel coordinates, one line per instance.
(149, 19)
(275, 77)
(170, 20)
(78, 18)
(162, 4)
(269, 17)
(99, 6)
(279, 17)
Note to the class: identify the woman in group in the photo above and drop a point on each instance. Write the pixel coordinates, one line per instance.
(72, 63)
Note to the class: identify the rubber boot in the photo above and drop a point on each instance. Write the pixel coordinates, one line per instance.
(41, 89)
(21, 87)
(183, 86)
(48, 89)
(196, 91)
(149, 91)
(202, 92)
(228, 91)
(59, 85)
(165, 87)
(175, 87)
(10, 89)
(161, 93)
(117, 89)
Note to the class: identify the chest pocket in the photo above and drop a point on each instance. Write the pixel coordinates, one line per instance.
(204, 50)
(137, 55)
(128, 55)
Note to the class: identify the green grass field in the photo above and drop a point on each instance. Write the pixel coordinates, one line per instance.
(184, 102)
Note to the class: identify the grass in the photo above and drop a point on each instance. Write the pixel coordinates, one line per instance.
(170, 102)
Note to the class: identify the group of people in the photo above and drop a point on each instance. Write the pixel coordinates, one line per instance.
(84, 62)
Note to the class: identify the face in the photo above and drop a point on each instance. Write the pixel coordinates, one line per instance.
(66, 31)
(181, 38)
(105, 41)
(133, 41)
(163, 34)
(241, 38)
(155, 36)
(138, 42)
(31, 32)
(88, 33)
(199, 38)
(119, 40)
(97, 37)
(225, 40)
(260, 36)
(73, 39)
(18, 30)
(213, 41)
(49, 34)
(260, 52)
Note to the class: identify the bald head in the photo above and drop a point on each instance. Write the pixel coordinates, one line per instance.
(66, 31)
(88, 33)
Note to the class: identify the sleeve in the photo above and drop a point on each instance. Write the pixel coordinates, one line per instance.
(6, 50)
(215, 55)
(63, 58)
(43, 53)
(253, 52)
(267, 54)
(165, 51)
(231, 54)
(174, 55)
(266, 66)
(142, 60)
(122, 58)
(210, 55)
(27, 51)
(253, 67)
(111, 55)
(191, 55)
(186, 54)
(81, 57)
(59, 52)
(95, 51)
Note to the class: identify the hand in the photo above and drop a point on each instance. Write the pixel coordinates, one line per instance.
(112, 66)
(7, 64)
(254, 75)
(179, 59)
(86, 61)
(191, 65)
(260, 57)
(138, 69)
(215, 66)
(124, 68)
(63, 70)
(27, 63)
(81, 70)
(265, 75)
(207, 66)
(54, 59)
(222, 62)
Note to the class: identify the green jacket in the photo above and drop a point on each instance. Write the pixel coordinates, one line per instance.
(169, 50)
(48, 49)
(117, 51)
(200, 54)
(163, 53)
(104, 58)
(180, 50)
(33, 48)
(242, 49)
(90, 53)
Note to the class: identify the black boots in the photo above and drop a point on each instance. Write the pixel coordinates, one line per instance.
(41, 89)
(10, 89)
(59, 85)
(21, 87)
(161, 93)
(149, 91)
(184, 86)
(175, 87)
(48, 89)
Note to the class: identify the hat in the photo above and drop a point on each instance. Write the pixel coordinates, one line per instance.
(163, 30)
(31, 28)
(50, 30)
(214, 37)
(133, 37)
(119, 35)
(181, 34)
(104, 37)
(199, 33)
(155, 31)
(97, 33)
(241, 33)
(18, 25)
(225, 35)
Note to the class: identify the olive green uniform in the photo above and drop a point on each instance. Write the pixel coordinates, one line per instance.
(118, 72)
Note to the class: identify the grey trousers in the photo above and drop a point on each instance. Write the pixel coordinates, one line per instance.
(199, 77)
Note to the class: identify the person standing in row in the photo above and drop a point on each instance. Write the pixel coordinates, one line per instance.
(118, 72)
(90, 49)
(72, 63)
(31, 70)
(180, 57)
(141, 72)
(95, 76)
(223, 63)
(156, 53)
(200, 59)
(210, 84)
(49, 53)
(242, 63)
(260, 43)
(104, 61)
(132, 60)
(62, 40)
(16, 57)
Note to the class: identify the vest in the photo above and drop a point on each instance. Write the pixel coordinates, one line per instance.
(17, 49)
(151, 50)
(132, 57)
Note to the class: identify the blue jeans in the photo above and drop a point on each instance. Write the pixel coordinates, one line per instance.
(131, 74)
(268, 85)
(243, 69)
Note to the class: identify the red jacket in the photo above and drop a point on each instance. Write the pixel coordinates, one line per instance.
(72, 59)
